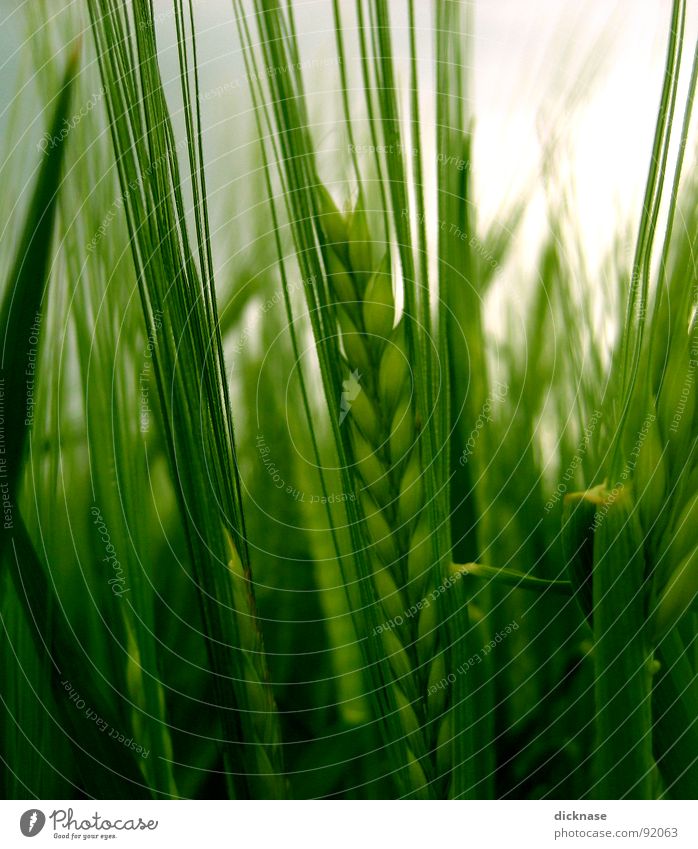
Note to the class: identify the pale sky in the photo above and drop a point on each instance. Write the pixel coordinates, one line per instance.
(528, 57)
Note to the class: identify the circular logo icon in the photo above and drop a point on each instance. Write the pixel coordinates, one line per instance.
(31, 822)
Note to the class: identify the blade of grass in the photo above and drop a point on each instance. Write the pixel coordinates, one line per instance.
(21, 341)
(23, 299)
(674, 697)
(192, 391)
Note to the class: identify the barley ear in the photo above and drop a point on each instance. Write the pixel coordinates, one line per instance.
(387, 465)
(260, 715)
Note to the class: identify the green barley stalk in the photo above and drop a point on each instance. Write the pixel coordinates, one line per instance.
(389, 472)
(33, 585)
(119, 488)
(463, 286)
(630, 542)
(176, 282)
(349, 278)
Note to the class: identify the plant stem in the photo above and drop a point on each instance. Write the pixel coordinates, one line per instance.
(623, 754)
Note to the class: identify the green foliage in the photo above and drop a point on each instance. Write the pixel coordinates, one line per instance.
(354, 547)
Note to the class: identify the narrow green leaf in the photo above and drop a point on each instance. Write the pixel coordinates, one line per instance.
(21, 311)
